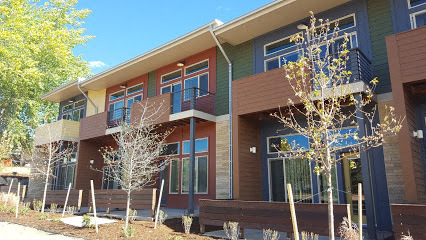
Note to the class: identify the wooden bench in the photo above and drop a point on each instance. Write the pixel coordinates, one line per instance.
(14, 189)
(59, 196)
(311, 217)
(409, 218)
(143, 199)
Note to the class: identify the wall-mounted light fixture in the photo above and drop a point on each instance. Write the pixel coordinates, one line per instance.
(418, 134)
(124, 85)
(181, 64)
(92, 161)
(253, 149)
(302, 26)
(71, 100)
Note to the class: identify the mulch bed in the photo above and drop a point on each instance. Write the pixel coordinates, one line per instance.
(144, 229)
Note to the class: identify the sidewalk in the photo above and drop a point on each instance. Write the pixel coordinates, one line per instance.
(13, 231)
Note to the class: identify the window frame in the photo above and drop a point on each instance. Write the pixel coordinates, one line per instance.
(183, 142)
(195, 175)
(126, 103)
(413, 15)
(122, 97)
(178, 142)
(205, 60)
(411, 7)
(171, 87)
(69, 110)
(198, 79)
(286, 135)
(161, 77)
(178, 178)
(278, 57)
(130, 94)
(340, 18)
(281, 39)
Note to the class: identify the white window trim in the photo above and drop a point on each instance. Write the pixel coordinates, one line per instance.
(170, 174)
(133, 97)
(141, 90)
(278, 57)
(413, 18)
(161, 77)
(338, 19)
(109, 97)
(115, 103)
(195, 175)
(171, 87)
(172, 154)
(293, 134)
(410, 7)
(205, 60)
(281, 39)
(70, 110)
(196, 141)
(198, 79)
(82, 100)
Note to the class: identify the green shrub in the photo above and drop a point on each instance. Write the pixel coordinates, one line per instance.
(3, 208)
(56, 219)
(53, 207)
(37, 205)
(43, 216)
(129, 231)
(132, 214)
(187, 222)
(174, 237)
(12, 210)
(161, 217)
(86, 221)
(232, 230)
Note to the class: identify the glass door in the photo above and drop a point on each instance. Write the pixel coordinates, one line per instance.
(276, 181)
(177, 98)
(353, 176)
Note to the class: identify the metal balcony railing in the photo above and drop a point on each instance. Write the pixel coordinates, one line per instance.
(117, 117)
(193, 99)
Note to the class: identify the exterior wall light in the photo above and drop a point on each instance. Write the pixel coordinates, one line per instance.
(253, 149)
(124, 85)
(181, 64)
(302, 26)
(418, 134)
(92, 161)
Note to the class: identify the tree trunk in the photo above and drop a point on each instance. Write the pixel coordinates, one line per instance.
(330, 206)
(47, 177)
(127, 209)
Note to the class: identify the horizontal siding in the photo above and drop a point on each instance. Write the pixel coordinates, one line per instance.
(152, 76)
(93, 126)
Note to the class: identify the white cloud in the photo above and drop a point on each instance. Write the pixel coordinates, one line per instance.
(221, 8)
(97, 64)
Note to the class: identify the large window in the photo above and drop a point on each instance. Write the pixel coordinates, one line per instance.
(280, 44)
(418, 19)
(279, 61)
(286, 143)
(170, 149)
(201, 82)
(64, 173)
(201, 145)
(108, 178)
(200, 177)
(197, 67)
(415, 3)
(174, 176)
(74, 111)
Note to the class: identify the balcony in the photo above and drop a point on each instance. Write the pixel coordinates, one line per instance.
(65, 130)
(193, 99)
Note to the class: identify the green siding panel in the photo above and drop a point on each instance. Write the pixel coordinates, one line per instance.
(241, 57)
(380, 19)
(152, 76)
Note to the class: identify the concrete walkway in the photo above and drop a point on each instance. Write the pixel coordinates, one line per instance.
(12, 231)
(144, 215)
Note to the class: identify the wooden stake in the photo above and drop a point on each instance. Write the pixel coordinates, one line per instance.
(159, 203)
(94, 205)
(8, 192)
(293, 212)
(80, 198)
(349, 215)
(360, 209)
(17, 202)
(66, 199)
(24, 191)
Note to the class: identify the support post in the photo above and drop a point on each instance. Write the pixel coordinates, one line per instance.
(24, 191)
(360, 209)
(94, 205)
(80, 198)
(17, 201)
(293, 212)
(349, 215)
(159, 203)
(66, 199)
(8, 192)
(191, 165)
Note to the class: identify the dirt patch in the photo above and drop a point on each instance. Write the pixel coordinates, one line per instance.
(144, 229)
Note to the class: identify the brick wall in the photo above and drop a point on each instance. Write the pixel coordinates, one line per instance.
(222, 160)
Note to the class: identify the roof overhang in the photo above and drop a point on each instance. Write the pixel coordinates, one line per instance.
(270, 17)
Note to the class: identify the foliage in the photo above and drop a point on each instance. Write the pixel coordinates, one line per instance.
(86, 221)
(326, 102)
(8, 199)
(309, 236)
(12, 210)
(232, 230)
(53, 207)
(174, 237)
(162, 216)
(269, 234)
(25, 208)
(56, 219)
(3, 208)
(348, 231)
(187, 222)
(70, 210)
(43, 216)
(136, 165)
(37, 39)
(133, 214)
(407, 237)
(129, 231)
(37, 205)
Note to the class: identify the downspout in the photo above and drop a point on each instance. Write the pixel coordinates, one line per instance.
(79, 88)
(230, 111)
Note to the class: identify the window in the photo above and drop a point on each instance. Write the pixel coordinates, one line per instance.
(79, 103)
(343, 23)
(134, 99)
(322, 186)
(114, 112)
(66, 176)
(348, 137)
(108, 178)
(201, 145)
(280, 45)
(116, 95)
(67, 116)
(170, 149)
(418, 19)
(67, 108)
(201, 82)
(77, 114)
(284, 143)
(197, 67)
(171, 76)
(277, 62)
(135, 89)
(200, 177)
(415, 3)
(174, 176)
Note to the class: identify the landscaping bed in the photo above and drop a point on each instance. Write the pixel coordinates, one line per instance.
(144, 229)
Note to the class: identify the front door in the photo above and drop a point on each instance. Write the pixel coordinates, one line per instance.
(353, 176)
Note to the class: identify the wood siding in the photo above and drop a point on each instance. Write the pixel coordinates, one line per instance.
(93, 126)
(407, 64)
(151, 83)
(162, 102)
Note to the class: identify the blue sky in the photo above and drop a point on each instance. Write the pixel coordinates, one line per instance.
(127, 28)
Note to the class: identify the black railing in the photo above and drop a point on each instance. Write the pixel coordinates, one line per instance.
(117, 117)
(193, 99)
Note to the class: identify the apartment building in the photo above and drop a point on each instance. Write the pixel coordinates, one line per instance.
(246, 54)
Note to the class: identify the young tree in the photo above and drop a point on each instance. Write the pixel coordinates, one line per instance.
(325, 97)
(45, 156)
(136, 162)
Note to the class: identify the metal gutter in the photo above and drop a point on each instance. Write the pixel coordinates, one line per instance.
(230, 110)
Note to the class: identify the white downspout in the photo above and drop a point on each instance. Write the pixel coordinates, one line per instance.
(80, 80)
(230, 110)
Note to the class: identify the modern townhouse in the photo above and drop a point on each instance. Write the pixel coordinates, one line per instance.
(224, 71)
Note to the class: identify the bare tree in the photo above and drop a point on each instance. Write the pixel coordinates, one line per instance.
(136, 163)
(45, 156)
(326, 98)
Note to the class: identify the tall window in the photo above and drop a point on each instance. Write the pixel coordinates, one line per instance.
(200, 177)
(74, 111)
(170, 149)
(418, 19)
(64, 173)
(108, 178)
(174, 176)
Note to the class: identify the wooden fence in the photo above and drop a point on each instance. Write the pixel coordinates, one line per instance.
(14, 189)
(144, 199)
(311, 217)
(409, 218)
(59, 196)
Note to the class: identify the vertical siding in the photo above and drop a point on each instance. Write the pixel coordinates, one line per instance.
(380, 19)
(152, 76)
(241, 57)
